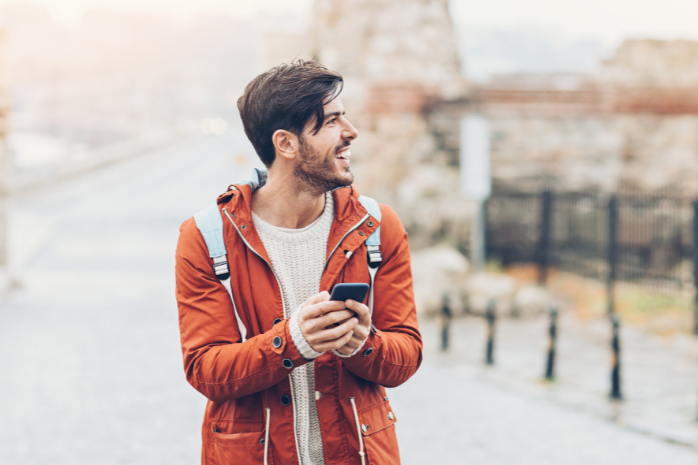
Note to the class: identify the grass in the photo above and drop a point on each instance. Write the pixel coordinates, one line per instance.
(658, 311)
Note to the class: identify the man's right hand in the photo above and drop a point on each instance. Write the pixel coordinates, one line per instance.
(316, 316)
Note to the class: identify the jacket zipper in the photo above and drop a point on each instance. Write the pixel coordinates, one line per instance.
(344, 237)
(293, 400)
(283, 303)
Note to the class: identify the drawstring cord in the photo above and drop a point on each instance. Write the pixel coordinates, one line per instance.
(358, 430)
(266, 436)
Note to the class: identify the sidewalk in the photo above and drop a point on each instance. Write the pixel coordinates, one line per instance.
(658, 376)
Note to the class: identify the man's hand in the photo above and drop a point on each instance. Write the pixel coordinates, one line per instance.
(316, 317)
(360, 332)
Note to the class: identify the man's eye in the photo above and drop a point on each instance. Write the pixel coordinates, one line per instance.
(331, 121)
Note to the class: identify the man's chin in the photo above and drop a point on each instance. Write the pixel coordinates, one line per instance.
(346, 178)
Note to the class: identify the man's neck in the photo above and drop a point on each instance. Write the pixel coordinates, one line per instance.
(280, 203)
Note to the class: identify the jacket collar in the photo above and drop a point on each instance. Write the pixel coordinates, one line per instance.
(348, 213)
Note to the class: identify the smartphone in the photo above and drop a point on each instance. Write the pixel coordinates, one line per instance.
(346, 291)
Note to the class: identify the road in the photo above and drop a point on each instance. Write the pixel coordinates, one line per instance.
(91, 369)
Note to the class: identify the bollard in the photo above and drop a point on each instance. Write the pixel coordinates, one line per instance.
(446, 317)
(550, 366)
(615, 359)
(491, 317)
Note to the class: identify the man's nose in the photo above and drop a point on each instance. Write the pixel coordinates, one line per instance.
(349, 132)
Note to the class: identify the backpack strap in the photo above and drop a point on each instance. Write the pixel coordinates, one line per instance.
(373, 244)
(210, 224)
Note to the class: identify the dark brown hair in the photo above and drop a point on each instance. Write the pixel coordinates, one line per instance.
(286, 97)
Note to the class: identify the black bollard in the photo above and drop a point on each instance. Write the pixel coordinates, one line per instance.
(446, 317)
(491, 316)
(550, 366)
(615, 359)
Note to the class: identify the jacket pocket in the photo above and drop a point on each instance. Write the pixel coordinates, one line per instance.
(378, 430)
(239, 448)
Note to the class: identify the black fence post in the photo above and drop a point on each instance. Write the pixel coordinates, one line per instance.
(446, 317)
(695, 266)
(544, 237)
(615, 359)
(490, 316)
(550, 366)
(612, 252)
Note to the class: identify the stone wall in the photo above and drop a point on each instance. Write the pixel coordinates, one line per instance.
(396, 56)
(633, 125)
(653, 63)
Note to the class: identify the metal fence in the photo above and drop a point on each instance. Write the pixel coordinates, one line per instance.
(645, 239)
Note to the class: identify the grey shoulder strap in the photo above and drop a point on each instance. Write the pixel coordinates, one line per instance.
(210, 225)
(373, 244)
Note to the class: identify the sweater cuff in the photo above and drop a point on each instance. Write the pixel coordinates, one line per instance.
(339, 354)
(302, 345)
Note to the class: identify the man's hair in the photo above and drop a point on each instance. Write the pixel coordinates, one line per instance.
(286, 97)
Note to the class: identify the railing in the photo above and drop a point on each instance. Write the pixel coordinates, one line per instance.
(638, 238)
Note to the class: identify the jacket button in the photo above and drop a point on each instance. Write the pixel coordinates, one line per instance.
(287, 363)
(390, 416)
(278, 320)
(369, 224)
(361, 233)
(244, 227)
(216, 430)
(261, 441)
(373, 329)
(285, 399)
(276, 342)
(365, 428)
(368, 351)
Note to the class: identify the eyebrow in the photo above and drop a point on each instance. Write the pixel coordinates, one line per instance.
(333, 114)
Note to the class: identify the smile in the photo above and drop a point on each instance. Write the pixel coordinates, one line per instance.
(344, 154)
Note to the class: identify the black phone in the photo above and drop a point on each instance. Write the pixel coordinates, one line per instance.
(346, 291)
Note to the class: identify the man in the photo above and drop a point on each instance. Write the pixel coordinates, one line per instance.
(292, 377)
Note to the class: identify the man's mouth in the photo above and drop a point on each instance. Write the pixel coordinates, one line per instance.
(344, 154)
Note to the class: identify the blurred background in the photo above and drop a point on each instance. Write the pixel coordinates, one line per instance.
(542, 155)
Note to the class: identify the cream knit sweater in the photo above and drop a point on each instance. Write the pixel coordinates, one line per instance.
(298, 259)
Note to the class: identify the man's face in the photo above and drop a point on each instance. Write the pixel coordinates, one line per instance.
(323, 163)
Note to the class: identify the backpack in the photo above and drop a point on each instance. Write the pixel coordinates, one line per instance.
(210, 224)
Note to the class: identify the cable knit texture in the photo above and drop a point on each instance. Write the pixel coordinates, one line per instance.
(298, 258)
(302, 345)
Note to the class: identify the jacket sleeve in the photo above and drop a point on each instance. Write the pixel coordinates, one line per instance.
(395, 343)
(216, 362)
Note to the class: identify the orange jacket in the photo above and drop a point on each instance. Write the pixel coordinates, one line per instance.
(243, 379)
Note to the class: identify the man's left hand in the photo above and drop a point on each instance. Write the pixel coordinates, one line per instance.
(361, 330)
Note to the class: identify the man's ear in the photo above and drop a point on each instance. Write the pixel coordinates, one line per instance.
(285, 143)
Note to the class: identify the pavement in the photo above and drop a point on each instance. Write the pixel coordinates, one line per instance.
(90, 363)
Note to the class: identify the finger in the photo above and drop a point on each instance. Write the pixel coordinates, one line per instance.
(362, 312)
(360, 332)
(314, 299)
(331, 334)
(336, 344)
(321, 308)
(329, 319)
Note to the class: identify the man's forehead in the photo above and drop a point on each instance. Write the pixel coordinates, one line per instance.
(333, 107)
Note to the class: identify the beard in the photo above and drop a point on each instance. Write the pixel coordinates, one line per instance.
(318, 174)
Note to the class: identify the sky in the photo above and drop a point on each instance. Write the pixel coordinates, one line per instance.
(605, 20)
(495, 36)
(70, 11)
